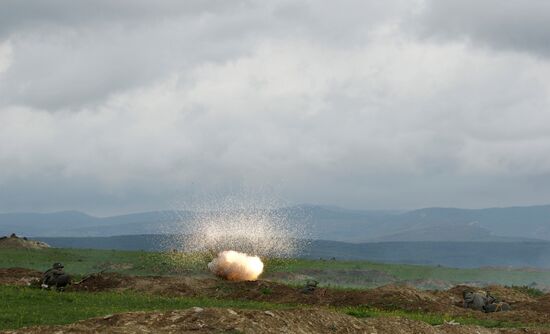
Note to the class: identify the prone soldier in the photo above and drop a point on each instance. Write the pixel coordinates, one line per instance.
(483, 301)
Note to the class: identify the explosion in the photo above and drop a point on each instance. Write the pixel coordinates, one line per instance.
(246, 225)
(236, 266)
(233, 228)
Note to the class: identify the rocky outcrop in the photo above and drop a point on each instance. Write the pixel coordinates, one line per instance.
(13, 241)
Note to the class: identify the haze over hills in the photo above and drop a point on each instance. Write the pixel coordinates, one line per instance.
(326, 223)
(451, 254)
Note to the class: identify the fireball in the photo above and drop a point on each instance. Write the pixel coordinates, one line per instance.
(236, 266)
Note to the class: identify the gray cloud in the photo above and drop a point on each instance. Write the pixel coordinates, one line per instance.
(73, 55)
(69, 56)
(17, 16)
(129, 108)
(514, 25)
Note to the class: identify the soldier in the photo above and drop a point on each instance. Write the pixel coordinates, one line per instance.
(55, 277)
(483, 301)
(474, 300)
(311, 285)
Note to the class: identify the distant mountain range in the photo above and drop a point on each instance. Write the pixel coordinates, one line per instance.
(329, 223)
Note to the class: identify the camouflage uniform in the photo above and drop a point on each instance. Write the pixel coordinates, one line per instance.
(55, 277)
(483, 301)
(311, 285)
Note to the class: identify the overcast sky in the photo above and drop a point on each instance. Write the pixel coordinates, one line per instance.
(118, 106)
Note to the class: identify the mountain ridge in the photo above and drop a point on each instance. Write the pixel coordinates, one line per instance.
(518, 223)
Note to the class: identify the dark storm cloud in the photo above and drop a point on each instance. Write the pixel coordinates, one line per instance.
(514, 25)
(19, 16)
(71, 55)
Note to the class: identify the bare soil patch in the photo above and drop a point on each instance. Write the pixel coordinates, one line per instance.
(18, 276)
(525, 309)
(215, 320)
(100, 282)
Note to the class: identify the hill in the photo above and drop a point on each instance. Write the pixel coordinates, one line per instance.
(14, 242)
(328, 223)
(453, 254)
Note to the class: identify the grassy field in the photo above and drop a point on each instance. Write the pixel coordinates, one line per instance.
(407, 272)
(430, 318)
(82, 261)
(22, 306)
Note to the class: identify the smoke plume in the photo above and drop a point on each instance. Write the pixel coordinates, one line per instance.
(236, 266)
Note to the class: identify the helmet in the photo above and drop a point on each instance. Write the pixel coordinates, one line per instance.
(57, 265)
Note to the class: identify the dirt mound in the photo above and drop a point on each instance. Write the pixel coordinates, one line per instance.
(389, 297)
(268, 291)
(509, 295)
(14, 241)
(100, 282)
(525, 309)
(504, 294)
(542, 304)
(429, 284)
(403, 297)
(157, 285)
(18, 276)
(215, 320)
(212, 320)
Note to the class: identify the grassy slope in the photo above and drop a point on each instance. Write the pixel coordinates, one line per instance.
(26, 307)
(82, 261)
(23, 306)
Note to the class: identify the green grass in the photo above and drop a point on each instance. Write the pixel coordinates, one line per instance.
(533, 292)
(430, 318)
(414, 272)
(23, 306)
(83, 261)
